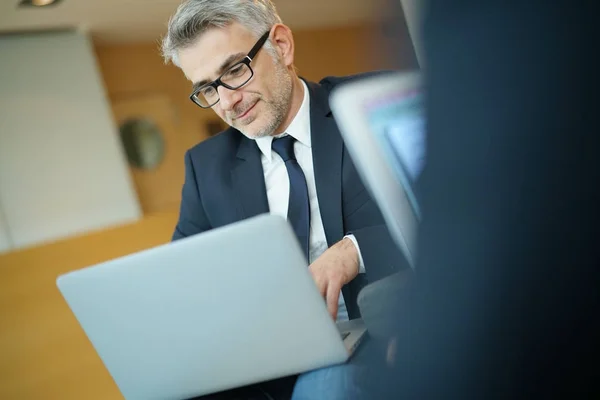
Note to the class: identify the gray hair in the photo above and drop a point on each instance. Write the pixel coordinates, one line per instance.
(194, 17)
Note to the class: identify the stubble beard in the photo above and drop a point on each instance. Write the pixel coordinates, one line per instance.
(276, 109)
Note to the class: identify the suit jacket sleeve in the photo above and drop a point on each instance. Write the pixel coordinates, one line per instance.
(192, 218)
(380, 254)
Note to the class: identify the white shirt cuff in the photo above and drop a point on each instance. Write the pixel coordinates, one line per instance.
(361, 263)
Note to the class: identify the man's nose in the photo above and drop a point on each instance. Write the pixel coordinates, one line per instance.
(228, 98)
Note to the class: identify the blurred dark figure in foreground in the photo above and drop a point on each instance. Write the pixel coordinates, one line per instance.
(505, 299)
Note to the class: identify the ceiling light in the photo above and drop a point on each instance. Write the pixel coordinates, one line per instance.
(38, 3)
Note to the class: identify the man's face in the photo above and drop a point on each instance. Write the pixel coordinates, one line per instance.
(258, 108)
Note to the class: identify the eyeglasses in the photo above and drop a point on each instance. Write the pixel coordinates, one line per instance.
(234, 78)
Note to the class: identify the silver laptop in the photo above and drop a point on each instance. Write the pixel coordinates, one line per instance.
(382, 122)
(227, 308)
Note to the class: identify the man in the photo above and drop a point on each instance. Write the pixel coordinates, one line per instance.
(282, 153)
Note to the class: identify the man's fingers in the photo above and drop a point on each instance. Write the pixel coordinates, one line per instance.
(333, 295)
(320, 282)
(329, 284)
(322, 286)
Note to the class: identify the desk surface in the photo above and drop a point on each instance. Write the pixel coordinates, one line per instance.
(44, 354)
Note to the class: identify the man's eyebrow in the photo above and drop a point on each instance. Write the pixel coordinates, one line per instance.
(229, 61)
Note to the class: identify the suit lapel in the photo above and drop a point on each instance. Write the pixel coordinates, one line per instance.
(248, 180)
(327, 150)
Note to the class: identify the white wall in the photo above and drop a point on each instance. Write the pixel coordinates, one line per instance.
(5, 243)
(62, 169)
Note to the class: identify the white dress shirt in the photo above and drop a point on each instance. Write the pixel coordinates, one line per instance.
(278, 185)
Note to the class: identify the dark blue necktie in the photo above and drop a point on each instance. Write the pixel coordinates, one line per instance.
(299, 206)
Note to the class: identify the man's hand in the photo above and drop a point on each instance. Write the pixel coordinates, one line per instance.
(337, 266)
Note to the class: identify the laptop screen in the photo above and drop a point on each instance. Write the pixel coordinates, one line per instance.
(398, 123)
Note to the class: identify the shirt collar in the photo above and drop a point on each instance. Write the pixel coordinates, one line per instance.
(299, 128)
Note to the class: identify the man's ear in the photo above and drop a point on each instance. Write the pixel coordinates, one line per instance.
(283, 42)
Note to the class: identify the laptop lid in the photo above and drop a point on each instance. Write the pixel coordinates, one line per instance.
(223, 309)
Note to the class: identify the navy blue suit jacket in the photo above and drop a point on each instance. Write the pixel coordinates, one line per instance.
(224, 183)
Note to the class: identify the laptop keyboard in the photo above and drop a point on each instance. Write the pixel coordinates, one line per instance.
(344, 335)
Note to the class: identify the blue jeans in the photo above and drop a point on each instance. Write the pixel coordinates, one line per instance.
(332, 383)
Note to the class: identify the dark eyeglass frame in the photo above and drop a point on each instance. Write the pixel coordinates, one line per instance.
(217, 82)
